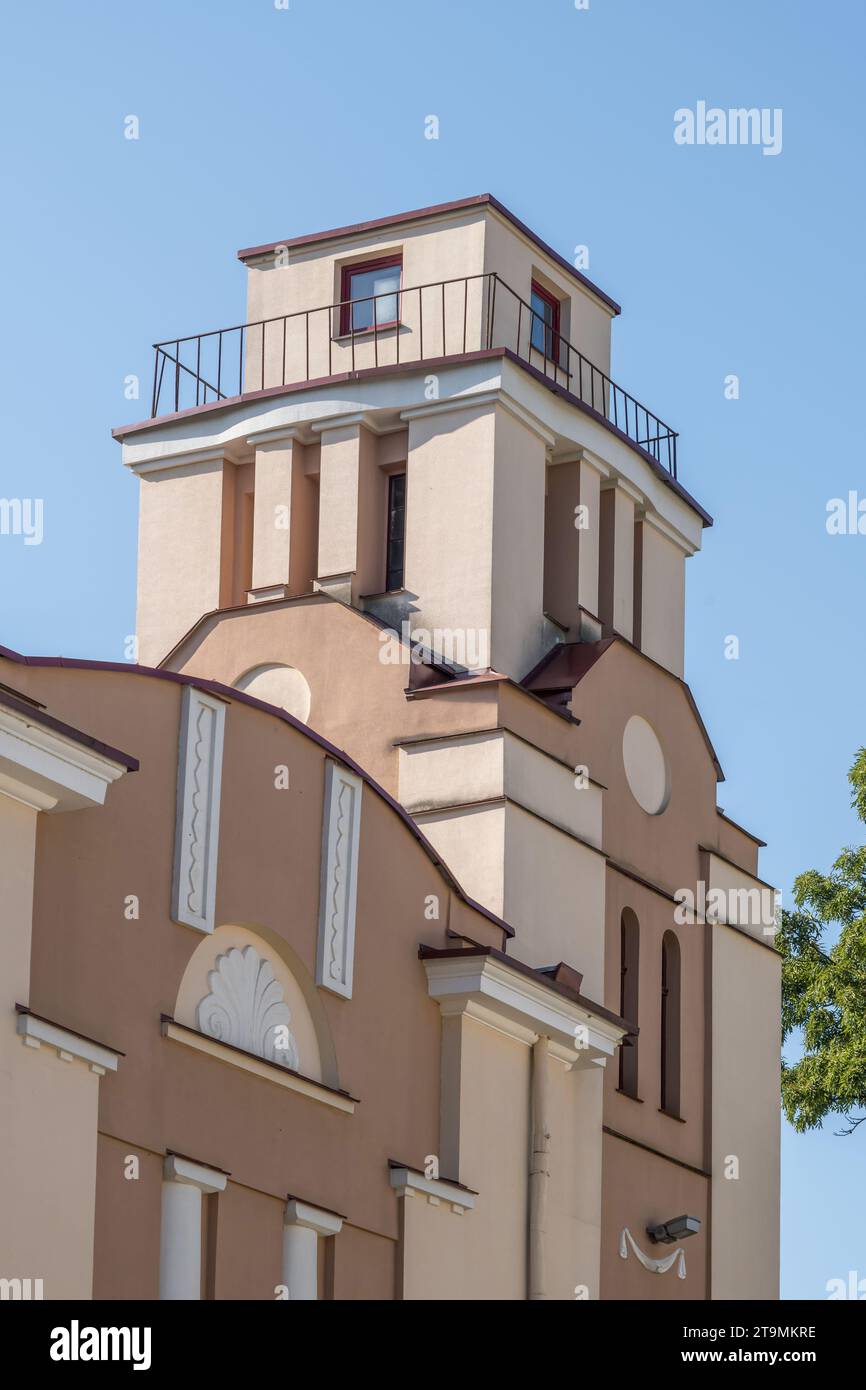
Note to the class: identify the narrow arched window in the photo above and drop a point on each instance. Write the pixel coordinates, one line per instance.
(670, 1025)
(628, 998)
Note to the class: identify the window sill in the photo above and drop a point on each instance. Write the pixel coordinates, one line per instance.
(671, 1116)
(629, 1096)
(360, 334)
(258, 1066)
(390, 593)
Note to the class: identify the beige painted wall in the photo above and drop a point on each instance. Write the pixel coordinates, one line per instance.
(452, 772)
(475, 533)
(554, 896)
(494, 1158)
(573, 1245)
(434, 1242)
(585, 322)
(167, 1095)
(450, 249)
(746, 1125)
(179, 553)
(48, 1107)
(640, 1188)
(339, 489)
(478, 767)
(450, 483)
(519, 637)
(616, 562)
(472, 843)
(561, 539)
(483, 1254)
(660, 596)
(456, 247)
(284, 539)
(747, 902)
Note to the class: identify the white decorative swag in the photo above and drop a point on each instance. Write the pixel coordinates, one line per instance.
(655, 1266)
(246, 1008)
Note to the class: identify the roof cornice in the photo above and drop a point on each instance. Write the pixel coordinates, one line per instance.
(425, 214)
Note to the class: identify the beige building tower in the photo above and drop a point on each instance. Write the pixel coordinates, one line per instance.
(407, 503)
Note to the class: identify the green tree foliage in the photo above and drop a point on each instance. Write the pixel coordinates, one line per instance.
(824, 986)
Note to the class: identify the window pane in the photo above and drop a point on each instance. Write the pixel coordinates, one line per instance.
(364, 285)
(396, 530)
(542, 318)
(386, 282)
(545, 323)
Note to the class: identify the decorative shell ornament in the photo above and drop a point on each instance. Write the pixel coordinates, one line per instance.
(246, 1008)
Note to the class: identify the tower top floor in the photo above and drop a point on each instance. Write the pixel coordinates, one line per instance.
(424, 404)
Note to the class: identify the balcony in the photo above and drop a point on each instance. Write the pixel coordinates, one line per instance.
(431, 324)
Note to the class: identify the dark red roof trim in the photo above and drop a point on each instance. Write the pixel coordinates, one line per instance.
(121, 432)
(549, 980)
(567, 663)
(37, 715)
(423, 214)
(226, 692)
(25, 1009)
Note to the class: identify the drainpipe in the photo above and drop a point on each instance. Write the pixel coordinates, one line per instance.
(539, 1175)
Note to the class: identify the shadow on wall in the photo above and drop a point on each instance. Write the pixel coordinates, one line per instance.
(279, 685)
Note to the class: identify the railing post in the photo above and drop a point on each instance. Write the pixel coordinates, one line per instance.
(653, 437)
(444, 345)
(491, 308)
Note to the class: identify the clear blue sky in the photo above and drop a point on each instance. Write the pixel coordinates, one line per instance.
(258, 123)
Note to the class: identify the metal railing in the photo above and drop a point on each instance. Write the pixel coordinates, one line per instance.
(398, 327)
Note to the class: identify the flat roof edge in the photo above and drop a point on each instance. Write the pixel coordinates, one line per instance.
(479, 200)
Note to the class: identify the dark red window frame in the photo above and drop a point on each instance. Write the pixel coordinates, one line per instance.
(629, 999)
(552, 338)
(359, 268)
(395, 557)
(671, 1025)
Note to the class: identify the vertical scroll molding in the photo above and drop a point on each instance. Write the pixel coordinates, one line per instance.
(339, 882)
(199, 778)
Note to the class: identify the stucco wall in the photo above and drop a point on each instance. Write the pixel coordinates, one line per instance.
(180, 553)
(309, 278)
(48, 1106)
(746, 1125)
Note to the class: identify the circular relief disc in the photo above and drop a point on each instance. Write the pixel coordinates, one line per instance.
(646, 767)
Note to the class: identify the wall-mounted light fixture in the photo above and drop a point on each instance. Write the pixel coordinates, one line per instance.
(669, 1232)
